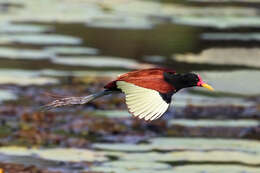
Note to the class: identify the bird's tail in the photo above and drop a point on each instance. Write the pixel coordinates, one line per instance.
(69, 101)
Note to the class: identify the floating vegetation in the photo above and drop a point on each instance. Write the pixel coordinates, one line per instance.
(23, 77)
(125, 170)
(113, 114)
(56, 154)
(211, 168)
(196, 144)
(11, 1)
(137, 8)
(186, 99)
(220, 22)
(211, 156)
(137, 165)
(231, 36)
(14, 150)
(101, 73)
(120, 22)
(195, 156)
(201, 144)
(155, 59)
(215, 123)
(221, 1)
(30, 54)
(132, 15)
(196, 150)
(97, 61)
(132, 166)
(65, 50)
(236, 56)
(206, 168)
(70, 155)
(42, 39)
(27, 80)
(23, 28)
(7, 95)
(68, 12)
(52, 74)
(122, 147)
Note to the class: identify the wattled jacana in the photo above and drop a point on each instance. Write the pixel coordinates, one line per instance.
(148, 92)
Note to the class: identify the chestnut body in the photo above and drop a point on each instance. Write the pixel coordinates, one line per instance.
(147, 92)
(147, 78)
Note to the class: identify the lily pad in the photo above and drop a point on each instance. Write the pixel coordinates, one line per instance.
(12, 53)
(27, 81)
(120, 22)
(137, 165)
(7, 95)
(122, 147)
(136, 13)
(23, 28)
(221, 1)
(101, 73)
(145, 156)
(199, 150)
(201, 144)
(14, 150)
(184, 99)
(188, 169)
(231, 36)
(113, 114)
(137, 8)
(23, 77)
(236, 56)
(11, 1)
(55, 154)
(155, 59)
(67, 12)
(214, 123)
(70, 155)
(48, 75)
(196, 144)
(96, 61)
(132, 166)
(195, 156)
(211, 156)
(42, 39)
(26, 161)
(211, 168)
(218, 21)
(124, 170)
(72, 50)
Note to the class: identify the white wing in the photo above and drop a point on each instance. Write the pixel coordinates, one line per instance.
(143, 102)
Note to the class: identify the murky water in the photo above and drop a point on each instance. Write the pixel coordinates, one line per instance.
(48, 46)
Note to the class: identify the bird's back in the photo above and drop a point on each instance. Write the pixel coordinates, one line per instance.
(147, 78)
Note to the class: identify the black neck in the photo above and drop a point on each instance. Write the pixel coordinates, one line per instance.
(176, 80)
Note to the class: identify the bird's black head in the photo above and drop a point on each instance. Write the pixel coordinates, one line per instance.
(185, 80)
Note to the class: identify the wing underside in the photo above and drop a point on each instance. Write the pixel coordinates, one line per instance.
(143, 103)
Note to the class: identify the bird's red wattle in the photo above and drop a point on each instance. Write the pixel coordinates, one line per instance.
(200, 81)
(148, 78)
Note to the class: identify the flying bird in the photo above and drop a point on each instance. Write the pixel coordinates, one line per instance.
(148, 92)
